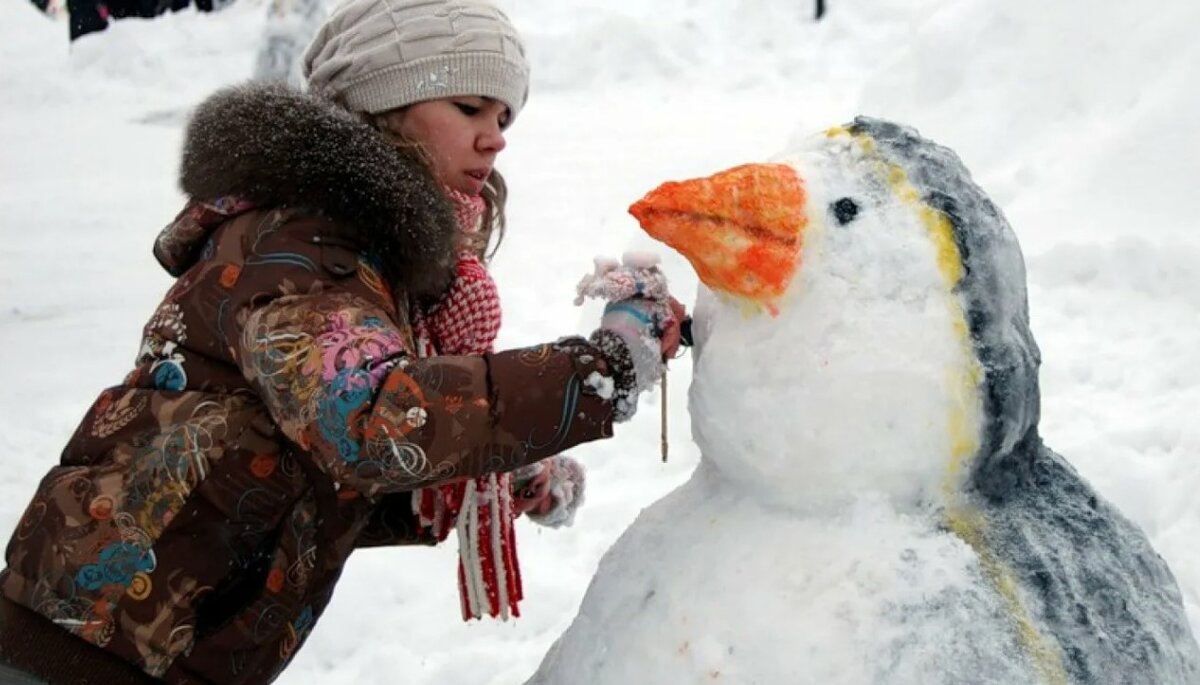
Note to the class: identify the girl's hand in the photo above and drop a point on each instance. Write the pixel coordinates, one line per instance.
(549, 491)
(533, 495)
(671, 336)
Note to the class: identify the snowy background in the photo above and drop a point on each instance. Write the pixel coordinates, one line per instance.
(1079, 117)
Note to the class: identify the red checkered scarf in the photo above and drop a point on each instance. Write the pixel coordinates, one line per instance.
(466, 321)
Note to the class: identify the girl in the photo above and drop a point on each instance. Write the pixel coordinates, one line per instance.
(282, 410)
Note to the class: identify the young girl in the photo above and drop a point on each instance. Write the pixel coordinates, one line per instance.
(294, 388)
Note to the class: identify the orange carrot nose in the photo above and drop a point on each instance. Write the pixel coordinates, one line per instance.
(741, 229)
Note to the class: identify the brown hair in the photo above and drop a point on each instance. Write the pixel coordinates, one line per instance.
(495, 190)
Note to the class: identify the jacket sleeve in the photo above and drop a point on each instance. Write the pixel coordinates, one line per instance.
(334, 371)
(392, 522)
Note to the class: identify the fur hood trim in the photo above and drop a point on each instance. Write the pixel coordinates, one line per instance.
(277, 147)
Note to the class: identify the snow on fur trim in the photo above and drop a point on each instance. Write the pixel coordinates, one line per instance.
(624, 389)
(274, 146)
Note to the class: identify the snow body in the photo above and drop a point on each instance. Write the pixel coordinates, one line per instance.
(874, 503)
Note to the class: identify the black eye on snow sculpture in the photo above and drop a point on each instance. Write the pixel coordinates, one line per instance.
(844, 210)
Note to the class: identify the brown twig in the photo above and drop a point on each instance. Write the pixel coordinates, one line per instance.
(664, 416)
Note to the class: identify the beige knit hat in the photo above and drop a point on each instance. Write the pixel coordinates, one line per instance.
(376, 55)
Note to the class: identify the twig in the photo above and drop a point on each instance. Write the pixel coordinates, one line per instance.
(664, 416)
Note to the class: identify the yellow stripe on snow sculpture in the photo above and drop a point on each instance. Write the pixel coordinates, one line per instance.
(964, 520)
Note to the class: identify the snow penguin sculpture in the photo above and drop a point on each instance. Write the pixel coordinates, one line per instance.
(873, 502)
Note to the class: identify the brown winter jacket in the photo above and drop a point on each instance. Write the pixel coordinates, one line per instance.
(275, 419)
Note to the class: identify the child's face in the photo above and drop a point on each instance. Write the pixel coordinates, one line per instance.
(463, 135)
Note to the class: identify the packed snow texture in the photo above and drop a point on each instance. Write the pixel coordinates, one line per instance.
(1077, 117)
(713, 598)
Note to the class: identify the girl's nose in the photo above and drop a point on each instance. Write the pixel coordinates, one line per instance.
(491, 140)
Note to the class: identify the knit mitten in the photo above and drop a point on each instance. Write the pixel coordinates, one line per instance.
(567, 481)
(631, 328)
(639, 322)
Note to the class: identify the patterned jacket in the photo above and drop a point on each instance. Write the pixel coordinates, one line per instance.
(276, 418)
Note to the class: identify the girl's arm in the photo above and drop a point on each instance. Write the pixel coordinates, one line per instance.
(313, 333)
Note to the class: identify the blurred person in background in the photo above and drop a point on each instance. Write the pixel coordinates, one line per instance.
(89, 16)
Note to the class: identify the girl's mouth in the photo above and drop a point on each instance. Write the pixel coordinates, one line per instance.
(476, 179)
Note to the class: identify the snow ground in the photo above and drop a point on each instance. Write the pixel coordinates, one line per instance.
(1079, 118)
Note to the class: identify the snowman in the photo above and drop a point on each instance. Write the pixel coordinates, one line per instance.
(873, 502)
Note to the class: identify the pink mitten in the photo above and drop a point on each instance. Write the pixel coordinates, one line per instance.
(637, 310)
(549, 491)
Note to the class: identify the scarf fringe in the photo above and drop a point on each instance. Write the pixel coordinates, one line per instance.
(481, 514)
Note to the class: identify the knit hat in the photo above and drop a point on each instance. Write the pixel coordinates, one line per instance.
(376, 55)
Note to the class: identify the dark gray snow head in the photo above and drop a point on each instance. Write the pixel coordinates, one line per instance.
(992, 284)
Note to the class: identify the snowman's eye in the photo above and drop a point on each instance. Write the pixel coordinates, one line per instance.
(844, 210)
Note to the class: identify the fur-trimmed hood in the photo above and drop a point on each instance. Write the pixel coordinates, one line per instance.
(276, 147)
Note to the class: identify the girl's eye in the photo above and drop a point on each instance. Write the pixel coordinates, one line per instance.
(467, 109)
(528, 493)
